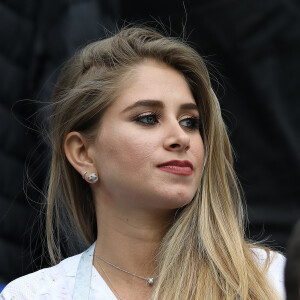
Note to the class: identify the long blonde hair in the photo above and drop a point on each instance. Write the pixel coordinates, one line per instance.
(204, 255)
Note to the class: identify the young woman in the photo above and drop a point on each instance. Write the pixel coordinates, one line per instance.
(142, 171)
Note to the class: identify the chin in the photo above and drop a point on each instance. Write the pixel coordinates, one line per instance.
(177, 200)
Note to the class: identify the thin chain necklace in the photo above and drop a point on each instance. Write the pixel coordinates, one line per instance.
(149, 280)
(110, 281)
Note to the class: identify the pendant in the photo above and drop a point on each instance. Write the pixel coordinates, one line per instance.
(150, 281)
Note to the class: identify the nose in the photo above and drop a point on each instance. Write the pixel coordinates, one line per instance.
(176, 139)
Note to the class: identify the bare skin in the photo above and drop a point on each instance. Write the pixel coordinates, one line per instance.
(135, 198)
(135, 240)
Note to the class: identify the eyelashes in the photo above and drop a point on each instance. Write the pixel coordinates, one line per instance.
(191, 123)
(152, 119)
(148, 119)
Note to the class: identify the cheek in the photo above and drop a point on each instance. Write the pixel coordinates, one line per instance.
(198, 152)
(125, 152)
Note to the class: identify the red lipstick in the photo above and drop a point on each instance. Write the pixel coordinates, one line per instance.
(178, 167)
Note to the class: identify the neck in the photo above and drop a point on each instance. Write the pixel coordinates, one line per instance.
(130, 238)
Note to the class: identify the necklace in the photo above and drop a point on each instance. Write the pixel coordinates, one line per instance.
(109, 281)
(149, 280)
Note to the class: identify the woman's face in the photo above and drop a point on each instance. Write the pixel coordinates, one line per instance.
(148, 151)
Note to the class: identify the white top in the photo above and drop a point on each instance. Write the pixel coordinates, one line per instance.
(57, 282)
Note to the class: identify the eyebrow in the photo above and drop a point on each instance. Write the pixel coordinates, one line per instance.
(159, 104)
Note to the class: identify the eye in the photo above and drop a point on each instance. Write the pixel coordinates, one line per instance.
(148, 120)
(191, 123)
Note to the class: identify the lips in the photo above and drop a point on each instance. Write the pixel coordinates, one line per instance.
(178, 167)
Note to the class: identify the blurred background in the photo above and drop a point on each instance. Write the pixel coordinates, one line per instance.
(253, 50)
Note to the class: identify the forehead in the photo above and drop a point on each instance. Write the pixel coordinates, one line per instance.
(152, 80)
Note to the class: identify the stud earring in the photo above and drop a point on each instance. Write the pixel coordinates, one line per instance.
(93, 177)
(83, 175)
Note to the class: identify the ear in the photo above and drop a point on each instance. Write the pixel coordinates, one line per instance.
(77, 152)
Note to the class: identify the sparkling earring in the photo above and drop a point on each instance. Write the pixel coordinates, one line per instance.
(93, 177)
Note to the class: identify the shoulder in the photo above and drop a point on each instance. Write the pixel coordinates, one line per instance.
(49, 283)
(275, 268)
